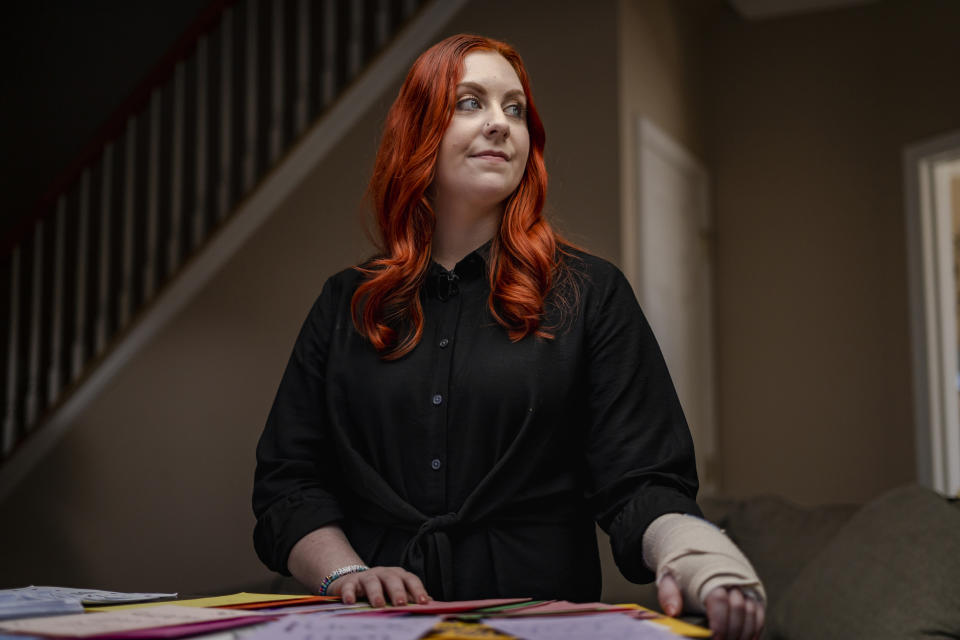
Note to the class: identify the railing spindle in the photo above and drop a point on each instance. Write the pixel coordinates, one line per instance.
(226, 113)
(103, 288)
(250, 110)
(382, 23)
(153, 199)
(32, 402)
(79, 351)
(129, 203)
(176, 171)
(303, 66)
(13, 359)
(199, 227)
(355, 51)
(276, 102)
(329, 77)
(54, 374)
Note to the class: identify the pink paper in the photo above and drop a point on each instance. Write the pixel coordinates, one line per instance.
(181, 630)
(438, 607)
(561, 606)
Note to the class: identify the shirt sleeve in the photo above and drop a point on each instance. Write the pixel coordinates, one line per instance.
(294, 489)
(639, 450)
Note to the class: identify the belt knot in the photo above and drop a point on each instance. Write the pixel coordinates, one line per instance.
(439, 523)
(431, 541)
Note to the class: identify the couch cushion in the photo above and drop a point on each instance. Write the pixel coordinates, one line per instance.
(779, 537)
(892, 571)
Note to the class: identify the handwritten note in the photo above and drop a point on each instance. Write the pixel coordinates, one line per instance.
(86, 596)
(23, 606)
(30, 602)
(609, 626)
(84, 625)
(321, 627)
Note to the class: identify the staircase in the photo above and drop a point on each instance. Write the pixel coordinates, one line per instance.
(232, 119)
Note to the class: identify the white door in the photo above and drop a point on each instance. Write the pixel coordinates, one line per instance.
(668, 257)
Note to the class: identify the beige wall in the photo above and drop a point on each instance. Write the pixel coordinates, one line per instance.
(801, 122)
(808, 117)
(570, 49)
(661, 75)
(150, 488)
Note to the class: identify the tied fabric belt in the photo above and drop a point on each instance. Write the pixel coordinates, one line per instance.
(429, 553)
(431, 540)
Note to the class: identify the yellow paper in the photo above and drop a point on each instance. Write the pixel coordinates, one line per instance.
(79, 625)
(677, 626)
(459, 630)
(682, 628)
(216, 601)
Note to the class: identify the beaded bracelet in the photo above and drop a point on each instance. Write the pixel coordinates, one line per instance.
(342, 571)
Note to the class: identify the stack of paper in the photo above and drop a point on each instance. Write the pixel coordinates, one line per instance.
(166, 621)
(278, 617)
(50, 601)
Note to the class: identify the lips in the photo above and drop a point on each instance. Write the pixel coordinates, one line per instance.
(491, 155)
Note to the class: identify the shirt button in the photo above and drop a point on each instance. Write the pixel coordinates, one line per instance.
(435, 464)
(437, 399)
(444, 342)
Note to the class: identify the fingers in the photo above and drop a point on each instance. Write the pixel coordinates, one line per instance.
(415, 588)
(669, 595)
(371, 586)
(381, 585)
(347, 589)
(735, 606)
(761, 617)
(394, 588)
(717, 612)
(733, 615)
(749, 619)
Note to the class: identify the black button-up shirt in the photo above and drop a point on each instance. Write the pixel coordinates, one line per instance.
(477, 462)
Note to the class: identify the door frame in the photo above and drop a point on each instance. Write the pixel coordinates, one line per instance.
(929, 165)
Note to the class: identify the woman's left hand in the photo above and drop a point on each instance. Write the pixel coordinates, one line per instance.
(732, 614)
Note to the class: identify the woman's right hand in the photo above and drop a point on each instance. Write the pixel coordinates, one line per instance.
(376, 584)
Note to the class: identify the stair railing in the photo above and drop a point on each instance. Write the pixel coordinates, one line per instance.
(162, 176)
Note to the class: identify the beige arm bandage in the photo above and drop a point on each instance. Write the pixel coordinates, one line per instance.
(699, 556)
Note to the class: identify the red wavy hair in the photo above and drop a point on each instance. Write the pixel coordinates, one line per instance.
(386, 306)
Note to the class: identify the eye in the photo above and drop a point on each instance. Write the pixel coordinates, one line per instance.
(468, 103)
(515, 110)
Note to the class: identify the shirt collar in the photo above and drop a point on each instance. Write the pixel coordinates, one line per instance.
(443, 283)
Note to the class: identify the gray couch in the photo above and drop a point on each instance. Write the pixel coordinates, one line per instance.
(887, 569)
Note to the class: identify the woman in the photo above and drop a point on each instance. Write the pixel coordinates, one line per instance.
(459, 411)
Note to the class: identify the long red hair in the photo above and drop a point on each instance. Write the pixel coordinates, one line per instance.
(386, 306)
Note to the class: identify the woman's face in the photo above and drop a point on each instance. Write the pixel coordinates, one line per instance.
(483, 153)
